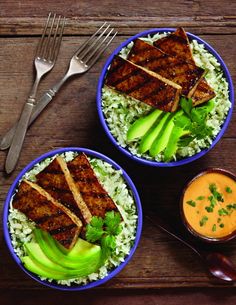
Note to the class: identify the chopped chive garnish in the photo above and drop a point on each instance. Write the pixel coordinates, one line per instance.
(222, 225)
(228, 189)
(200, 198)
(214, 228)
(218, 196)
(218, 220)
(192, 203)
(223, 212)
(203, 221)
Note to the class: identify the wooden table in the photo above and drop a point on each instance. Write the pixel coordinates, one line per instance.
(162, 271)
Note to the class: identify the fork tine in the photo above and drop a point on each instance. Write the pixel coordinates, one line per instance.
(57, 38)
(97, 46)
(46, 49)
(87, 50)
(83, 46)
(54, 37)
(39, 47)
(96, 57)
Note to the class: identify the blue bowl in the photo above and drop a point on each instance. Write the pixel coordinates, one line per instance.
(126, 151)
(127, 180)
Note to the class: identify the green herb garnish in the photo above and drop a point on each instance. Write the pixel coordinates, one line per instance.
(231, 206)
(104, 231)
(194, 121)
(228, 189)
(203, 221)
(192, 203)
(222, 225)
(218, 220)
(214, 228)
(223, 212)
(200, 198)
(209, 209)
(213, 189)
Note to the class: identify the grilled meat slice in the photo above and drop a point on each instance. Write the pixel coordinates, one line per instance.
(177, 44)
(57, 181)
(203, 93)
(143, 85)
(96, 198)
(185, 74)
(47, 213)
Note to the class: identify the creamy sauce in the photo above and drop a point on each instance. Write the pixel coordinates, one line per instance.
(209, 205)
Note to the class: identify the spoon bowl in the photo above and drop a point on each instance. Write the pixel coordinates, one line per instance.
(220, 266)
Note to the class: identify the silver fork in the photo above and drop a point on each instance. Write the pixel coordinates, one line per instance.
(82, 61)
(44, 61)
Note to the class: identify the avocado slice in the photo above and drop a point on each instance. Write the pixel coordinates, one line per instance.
(151, 135)
(142, 125)
(75, 258)
(41, 270)
(172, 146)
(161, 141)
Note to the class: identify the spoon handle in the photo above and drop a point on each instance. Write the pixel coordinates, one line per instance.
(164, 226)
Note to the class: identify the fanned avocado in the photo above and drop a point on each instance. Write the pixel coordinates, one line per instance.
(82, 260)
(142, 125)
(152, 134)
(74, 259)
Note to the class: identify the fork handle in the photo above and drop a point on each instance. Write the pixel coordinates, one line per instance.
(5, 141)
(18, 137)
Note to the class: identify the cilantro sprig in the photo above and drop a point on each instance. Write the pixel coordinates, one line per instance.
(194, 120)
(104, 231)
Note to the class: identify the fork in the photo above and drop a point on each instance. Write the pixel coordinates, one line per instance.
(45, 58)
(83, 59)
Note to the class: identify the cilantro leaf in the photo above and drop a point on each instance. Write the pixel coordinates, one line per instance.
(108, 244)
(93, 234)
(196, 124)
(104, 232)
(97, 222)
(186, 105)
(112, 222)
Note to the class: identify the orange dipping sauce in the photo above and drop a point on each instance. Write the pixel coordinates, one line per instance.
(209, 204)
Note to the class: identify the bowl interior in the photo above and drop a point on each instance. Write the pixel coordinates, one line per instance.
(186, 222)
(126, 151)
(130, 185)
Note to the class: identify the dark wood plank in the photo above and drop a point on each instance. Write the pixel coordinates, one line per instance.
(27, 17)
(134, 297)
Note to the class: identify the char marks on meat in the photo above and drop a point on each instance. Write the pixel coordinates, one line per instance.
(143, 85)
(186, 74)
(39, 207)
(177, 44)
(93, 193)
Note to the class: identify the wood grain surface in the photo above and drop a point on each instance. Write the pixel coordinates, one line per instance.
(162, 270)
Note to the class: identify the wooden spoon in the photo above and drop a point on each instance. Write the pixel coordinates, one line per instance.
(217, 264)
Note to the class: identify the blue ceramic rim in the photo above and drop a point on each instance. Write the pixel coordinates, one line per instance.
(128, 182)
(151, 162)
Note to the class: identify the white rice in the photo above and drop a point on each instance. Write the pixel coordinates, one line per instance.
(121, 111)
(21, 228)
